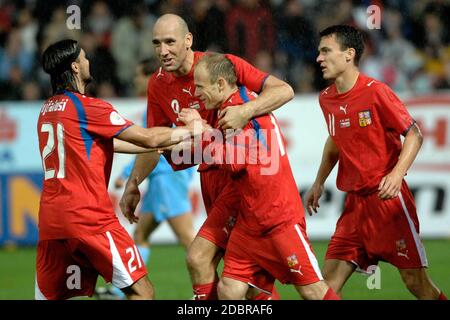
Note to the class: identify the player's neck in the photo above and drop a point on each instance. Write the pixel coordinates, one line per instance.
(347, 80)
(186, 67)
(229, 91)
(81, 85)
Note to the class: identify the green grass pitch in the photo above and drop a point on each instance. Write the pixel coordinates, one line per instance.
(169, 275)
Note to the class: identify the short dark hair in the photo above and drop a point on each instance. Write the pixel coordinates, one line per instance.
(57, 60)
(218, 65)
(347, 37)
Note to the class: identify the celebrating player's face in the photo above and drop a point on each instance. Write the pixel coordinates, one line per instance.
(206, 91)
(332, 60)
(171, 45)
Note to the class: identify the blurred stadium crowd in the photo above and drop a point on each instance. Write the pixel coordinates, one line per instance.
(411, 51)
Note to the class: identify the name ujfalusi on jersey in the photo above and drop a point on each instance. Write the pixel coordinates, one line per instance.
(365, 118)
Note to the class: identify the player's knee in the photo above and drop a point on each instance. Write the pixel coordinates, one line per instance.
(314, 291)
(186, 239)
(147, 294)
(140, 290)
(226, 292)
(333, 281)
(195, 259)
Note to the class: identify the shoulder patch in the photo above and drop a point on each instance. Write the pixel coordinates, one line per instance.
(116, 119)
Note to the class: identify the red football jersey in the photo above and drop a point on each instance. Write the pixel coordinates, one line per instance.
(270, 198)
(365, 123)
(76, 145)
(168, 94)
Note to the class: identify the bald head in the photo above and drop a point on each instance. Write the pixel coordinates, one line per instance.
(172, 21)
(172, 42)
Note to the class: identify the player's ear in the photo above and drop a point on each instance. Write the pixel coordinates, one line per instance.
(221, 82)
(350, 54)
(188, 40)
(75, 67)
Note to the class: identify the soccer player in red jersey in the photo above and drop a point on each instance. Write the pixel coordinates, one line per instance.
(270, 232)
(365, 121)
(171, 89)
(80, 236)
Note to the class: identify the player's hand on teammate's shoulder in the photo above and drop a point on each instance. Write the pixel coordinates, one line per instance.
(234, 117)
(312, 198)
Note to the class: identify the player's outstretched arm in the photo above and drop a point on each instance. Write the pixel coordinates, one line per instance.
(330, 157)
(274, 94)
(391, 184)
(155, 137)
(121, 146)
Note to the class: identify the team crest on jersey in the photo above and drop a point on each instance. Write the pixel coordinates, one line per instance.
(401, 248)
(365, 118)
(116, 119)
(292, 260)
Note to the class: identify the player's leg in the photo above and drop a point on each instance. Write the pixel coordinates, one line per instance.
(241, 272)
(420, 285)
(221, 203)
(140, 290)
(146, 225)
(345, 252)
(183, 227)
(231, 289)
(174, 189)
(317, 291)
(61, 272)
(289, 257)
(202, 260)
(396, 227)
(337, 272)
(144, 228)
(116, 257)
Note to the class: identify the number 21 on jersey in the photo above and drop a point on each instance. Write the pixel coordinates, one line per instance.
(49, 149)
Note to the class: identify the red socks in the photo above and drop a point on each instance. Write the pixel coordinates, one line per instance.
(442, 296)
(205, 291)
(331, 295)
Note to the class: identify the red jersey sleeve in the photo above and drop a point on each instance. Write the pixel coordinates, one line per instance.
(248, 75)
(232, 154)
(392, 110)
(102, 119)
(155, 115)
